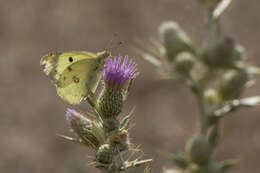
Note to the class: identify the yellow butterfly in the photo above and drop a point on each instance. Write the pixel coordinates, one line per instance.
(74, 73)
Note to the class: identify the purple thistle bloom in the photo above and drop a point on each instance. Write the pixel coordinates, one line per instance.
(116, 73)
(70, 113)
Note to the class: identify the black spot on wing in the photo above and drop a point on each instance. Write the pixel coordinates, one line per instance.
(70, 59)
(96, 68)
(75, 79)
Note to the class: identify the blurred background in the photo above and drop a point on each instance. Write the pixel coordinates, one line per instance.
(166, 112)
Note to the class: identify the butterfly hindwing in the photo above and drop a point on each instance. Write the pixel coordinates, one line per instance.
(77, 78)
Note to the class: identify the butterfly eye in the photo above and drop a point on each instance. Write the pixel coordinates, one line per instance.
(70, 59)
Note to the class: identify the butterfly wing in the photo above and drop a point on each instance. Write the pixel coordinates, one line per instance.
(56, 63)
(77, 78)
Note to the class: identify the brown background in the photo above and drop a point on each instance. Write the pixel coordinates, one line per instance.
(166, 114)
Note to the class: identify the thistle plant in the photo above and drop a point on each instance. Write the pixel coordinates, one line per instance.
(105, 132)
(216, 73)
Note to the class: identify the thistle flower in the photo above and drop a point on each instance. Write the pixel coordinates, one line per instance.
(105, 154)
(83, 127)
(70, 113)
(116, 74)
(75, 119)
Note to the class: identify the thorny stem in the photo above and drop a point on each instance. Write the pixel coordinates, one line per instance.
(213, 28)
(203, 114)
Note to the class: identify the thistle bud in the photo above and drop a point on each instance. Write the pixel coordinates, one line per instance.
(115, 76)
(211, 166)
(180, 159)
(111, 124)
(175, 39)
(120, 138)
(212, 97)
(105, 154)
(198, 149)
(184, 62)
(219, 54)
(82, 126)
(238, 53)
(111, 102)
(232, 84)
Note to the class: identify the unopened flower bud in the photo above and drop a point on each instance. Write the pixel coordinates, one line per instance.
(181, 160)
(116, 75)
(82, 126)
(238, 53)
(219, 53)
(211, 166)
(232, 84)
(175, 39)
(105, 154)
(198, 149)
(120, 138)
(184, 62)
(111, 102)
(111, 124)
(212, 97)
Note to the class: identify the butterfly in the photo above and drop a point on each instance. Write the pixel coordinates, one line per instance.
(74, 73)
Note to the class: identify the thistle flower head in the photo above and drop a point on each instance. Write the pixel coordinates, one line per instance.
(118, 71)
(70, 113)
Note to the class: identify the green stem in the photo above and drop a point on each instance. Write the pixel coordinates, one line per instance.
(210, 26)
(199, 93)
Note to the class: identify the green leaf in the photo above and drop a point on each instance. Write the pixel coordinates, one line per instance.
(124, 124)
(147, 169)
(227, 165)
